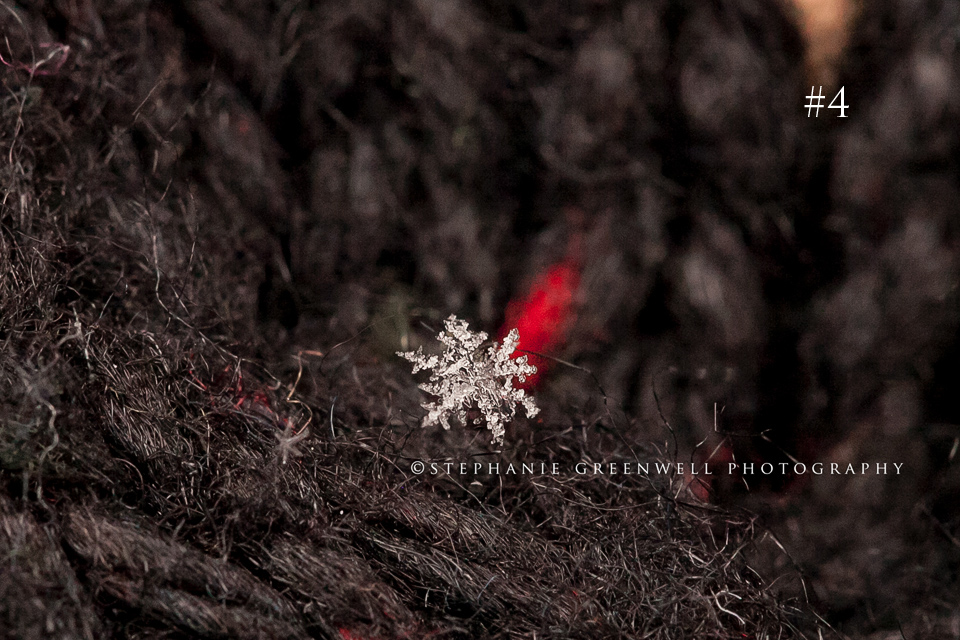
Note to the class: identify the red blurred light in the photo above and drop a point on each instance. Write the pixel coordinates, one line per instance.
(543, 318)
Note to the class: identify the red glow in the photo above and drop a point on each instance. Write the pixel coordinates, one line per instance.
(545, 315)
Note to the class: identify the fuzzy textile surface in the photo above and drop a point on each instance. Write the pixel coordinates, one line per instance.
(220, 221)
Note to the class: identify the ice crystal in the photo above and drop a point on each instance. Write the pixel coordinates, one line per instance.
(464, 376)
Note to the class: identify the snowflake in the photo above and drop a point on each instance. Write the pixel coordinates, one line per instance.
(464, 376)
